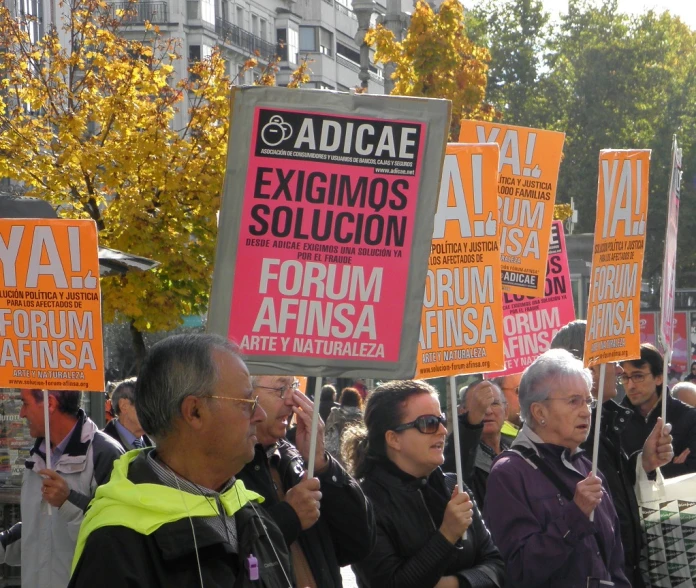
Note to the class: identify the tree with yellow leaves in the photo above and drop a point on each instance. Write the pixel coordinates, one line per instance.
(90, 128)
(437, 60)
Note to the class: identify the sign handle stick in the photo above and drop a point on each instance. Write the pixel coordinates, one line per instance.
(315, 428)
(598, 422)
(47, 428)
(452, 381)
(665, 373)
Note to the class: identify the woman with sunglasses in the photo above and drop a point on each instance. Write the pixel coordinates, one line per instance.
(553, 520)
(421, 516)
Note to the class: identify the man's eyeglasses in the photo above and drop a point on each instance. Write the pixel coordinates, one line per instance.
(576, 402)
(426, 424)
(497, 405)
(637, 378)
(283, 390)
(253, 401)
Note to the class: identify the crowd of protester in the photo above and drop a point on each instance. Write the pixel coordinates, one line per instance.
(200, 479)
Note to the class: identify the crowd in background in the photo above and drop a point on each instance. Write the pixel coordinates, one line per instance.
(200, 477)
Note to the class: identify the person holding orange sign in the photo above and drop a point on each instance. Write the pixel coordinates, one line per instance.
(82, 459)
(541, 493)
(421, 515)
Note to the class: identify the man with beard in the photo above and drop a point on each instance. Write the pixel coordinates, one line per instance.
(320, 544)
(618, 467)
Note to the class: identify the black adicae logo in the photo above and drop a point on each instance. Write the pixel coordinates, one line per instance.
(275, 131)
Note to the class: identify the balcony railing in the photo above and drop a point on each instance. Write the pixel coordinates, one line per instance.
(139, 12)
(249, 43)
(342, 9)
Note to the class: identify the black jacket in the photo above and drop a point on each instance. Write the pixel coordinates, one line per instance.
(619, 470)
(119, 557)
(112, 430)
(410, 551)
(345, 532)
(469, 439)
(681, 416)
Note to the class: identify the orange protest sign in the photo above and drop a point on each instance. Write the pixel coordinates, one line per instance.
(462, 322)
(50, 310)
(613, 309)
(529, 162)
(302, 384)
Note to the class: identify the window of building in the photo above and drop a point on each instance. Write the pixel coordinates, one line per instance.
(348, 53)
(255, 25)
(240, 17)
(31, 8)
(208, 11)
(325, 42)
(308, 39)
(293, 45)
(282, 39)
(194, 53)
(263, 29)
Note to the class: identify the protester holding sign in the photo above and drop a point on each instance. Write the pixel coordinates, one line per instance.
(482, 414)
(642, 380)
(614, 463)
(326, 521)
(176, 515)
(82, 458)
(398, 460)
(541, 493)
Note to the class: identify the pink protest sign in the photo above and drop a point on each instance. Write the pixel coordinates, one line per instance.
(530, 324)
(321, 237)
(327, 234)
(647, 328)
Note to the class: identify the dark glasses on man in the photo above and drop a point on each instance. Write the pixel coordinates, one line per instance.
(426, 424)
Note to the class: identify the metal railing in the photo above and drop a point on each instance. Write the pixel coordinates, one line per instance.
(139, 12)
(231, 33)
(342, 8)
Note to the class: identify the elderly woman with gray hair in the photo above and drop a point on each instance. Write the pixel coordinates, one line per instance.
(541, 493)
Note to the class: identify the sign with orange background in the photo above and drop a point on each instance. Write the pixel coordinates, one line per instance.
(50, 309)
(462, 323)
(613, 309)
(529, 163)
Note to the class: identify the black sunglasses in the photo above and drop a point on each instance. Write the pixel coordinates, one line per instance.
(426, 424)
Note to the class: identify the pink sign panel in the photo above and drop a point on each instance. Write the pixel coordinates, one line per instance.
(647, 328)
(326, 229)
(669, 268)
(682, 346)
(530, 324)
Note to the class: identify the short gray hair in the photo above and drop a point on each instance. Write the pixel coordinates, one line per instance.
(464, 391)
(69, 401)
(571, 337)
(546, 373)
(682, 386)
(124, 389)
(176, 367)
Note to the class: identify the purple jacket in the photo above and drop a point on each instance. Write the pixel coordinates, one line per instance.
(545, 540)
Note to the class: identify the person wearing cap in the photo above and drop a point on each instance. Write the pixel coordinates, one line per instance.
(617, 466)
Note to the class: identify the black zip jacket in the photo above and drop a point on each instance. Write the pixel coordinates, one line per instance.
(681, 416)
(119, 557)
(410, 551)
(345, 531)
(619, 470)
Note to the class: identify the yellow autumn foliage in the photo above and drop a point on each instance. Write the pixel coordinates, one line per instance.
(91, 130)
(436, 59)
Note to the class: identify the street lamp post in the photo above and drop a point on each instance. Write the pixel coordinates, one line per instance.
(364, 9)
